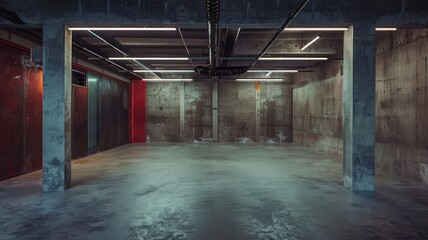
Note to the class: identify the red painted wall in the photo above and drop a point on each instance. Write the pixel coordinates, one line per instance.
(20, 112)
(137, 111)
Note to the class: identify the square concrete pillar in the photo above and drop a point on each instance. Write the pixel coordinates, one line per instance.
(56, 107)
(359, 82)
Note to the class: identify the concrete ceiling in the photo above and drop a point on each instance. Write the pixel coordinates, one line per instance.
(237, 47)
(246, 26)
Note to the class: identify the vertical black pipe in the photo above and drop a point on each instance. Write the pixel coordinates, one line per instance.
(213, 17)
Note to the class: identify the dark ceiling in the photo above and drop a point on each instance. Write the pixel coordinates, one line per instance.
(237, 47)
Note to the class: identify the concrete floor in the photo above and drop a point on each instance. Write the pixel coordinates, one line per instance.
(211, 191)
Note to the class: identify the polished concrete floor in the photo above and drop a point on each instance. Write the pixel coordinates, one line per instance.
(211, 191)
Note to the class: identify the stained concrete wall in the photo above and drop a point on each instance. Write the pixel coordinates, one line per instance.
(197, 109)
(163, 111)
(401, 102)
(238, 105)
(401, 105)
(317, 108)
(243, 114)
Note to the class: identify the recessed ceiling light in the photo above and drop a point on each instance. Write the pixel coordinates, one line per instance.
(273, 70)
(293, 58)
(120, 29)
(169, 80)
(310, 43)
(151, 58)
(259, 80)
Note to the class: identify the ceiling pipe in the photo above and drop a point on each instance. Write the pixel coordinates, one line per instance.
(287, 22)
(213, 17)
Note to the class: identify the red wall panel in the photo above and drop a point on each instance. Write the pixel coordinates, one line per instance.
(33, 120)
(137, 113)
(20, 113)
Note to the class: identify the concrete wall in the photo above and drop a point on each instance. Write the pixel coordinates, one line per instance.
(163, 111)
(197, 108)
(401, 105)
(317, 108)
(244, 114)
(182, 111)
(401, 102)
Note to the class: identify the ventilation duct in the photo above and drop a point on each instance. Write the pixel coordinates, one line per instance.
(221, 71)
(213, 17)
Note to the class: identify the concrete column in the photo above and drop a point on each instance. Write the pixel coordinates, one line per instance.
(258, 115)
(215, 110)
(56, 107)
(182, 112)
(359, 83)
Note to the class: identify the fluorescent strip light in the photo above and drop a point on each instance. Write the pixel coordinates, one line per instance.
(120, 29)
(315, 29)
(151, 58)
(169, 80)
(310, 43)
(332, 29)
(92, 79)
(273, 71)
(165, 71)
(259, 80)
(102, 39)
(292, 58)
(386, 29)
(268, 74)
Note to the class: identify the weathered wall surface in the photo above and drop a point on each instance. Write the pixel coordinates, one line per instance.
(182, 111)
(252, 110)
(401, 102)
(197, 109)
(317, 108)
(275, 110)
(401, 105)
(236, 111)
(163, 111)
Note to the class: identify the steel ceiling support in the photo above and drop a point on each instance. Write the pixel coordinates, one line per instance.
(99, 57)
(185, 45)
(118, 47)
(287, 22)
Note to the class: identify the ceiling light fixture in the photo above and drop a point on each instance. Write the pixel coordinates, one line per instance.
(382, 29)
(333, 29)
(272, 70)
(120, 29)
(310, 43)
(259, 80)
(165, 71)
(151, 58)
(169, 80)
(315, 29)
(293, 58)
(268, 74)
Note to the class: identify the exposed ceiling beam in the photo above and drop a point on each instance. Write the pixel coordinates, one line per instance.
(119, 47)
(229, 45)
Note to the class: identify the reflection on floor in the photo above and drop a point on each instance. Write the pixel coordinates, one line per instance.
(211, 191)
